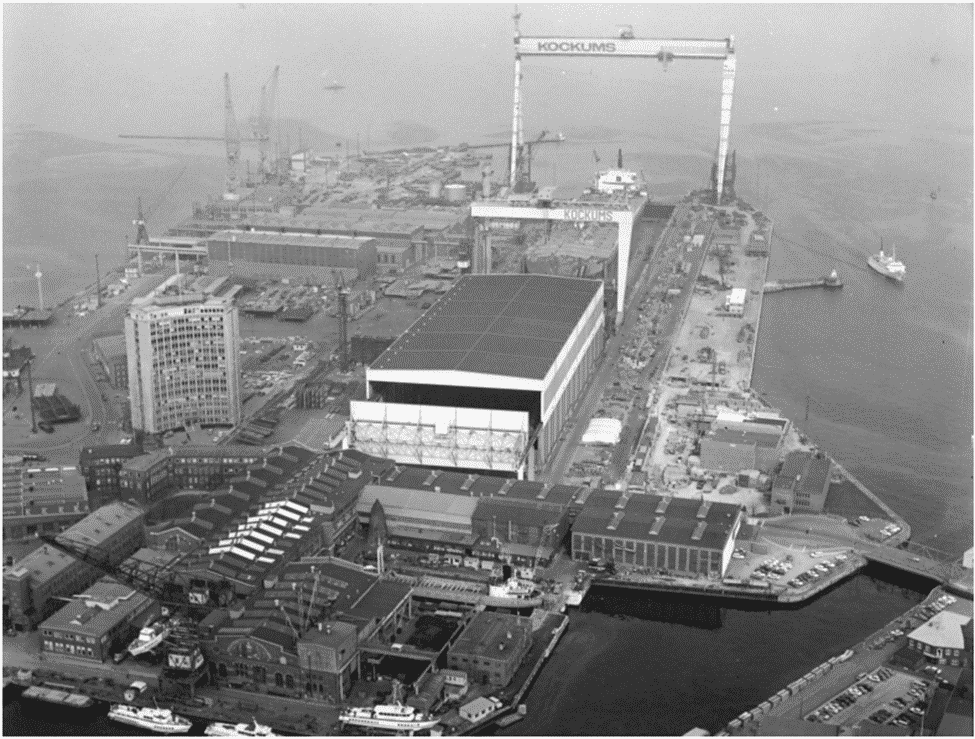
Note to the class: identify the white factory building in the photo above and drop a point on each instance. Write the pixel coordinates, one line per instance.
(486, 378)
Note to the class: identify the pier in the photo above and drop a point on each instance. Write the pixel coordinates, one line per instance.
(830, 282)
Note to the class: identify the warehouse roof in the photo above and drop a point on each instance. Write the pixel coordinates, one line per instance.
(99, 526)
(489, 630)
(943, 630)
(657, 518)
(291, 239)
(734, 436)
(422, 503)
(42, 564)
(510, 325)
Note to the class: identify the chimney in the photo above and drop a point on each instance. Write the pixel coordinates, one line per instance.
(436, 488)
(319, 625)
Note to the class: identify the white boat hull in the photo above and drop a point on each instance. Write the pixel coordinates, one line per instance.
(176, 728)
(407, 726)
(223, 729)
(879, 269)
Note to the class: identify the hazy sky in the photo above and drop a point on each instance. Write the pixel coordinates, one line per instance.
(104, 69)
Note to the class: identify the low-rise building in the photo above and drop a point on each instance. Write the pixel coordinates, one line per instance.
(110, 534)
(40, 499)
(101, 466)
(32, 585)
(802, 484)
(945, 639)
(491, 647)
(98, 622)
(675, 535)
(736, 449)
(734, 302)
(110, 351)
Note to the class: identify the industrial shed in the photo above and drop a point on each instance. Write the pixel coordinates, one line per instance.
(484, 380)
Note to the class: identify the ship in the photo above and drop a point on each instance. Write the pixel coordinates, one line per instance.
(388, 717)
(513, 593)
(253, 729)
(160, 720)
(888, 266)
(150, 637)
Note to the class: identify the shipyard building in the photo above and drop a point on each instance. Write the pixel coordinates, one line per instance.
(183, 351)
(678, 535)
(486, 378)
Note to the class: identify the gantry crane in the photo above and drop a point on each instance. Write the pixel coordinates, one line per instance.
(261, 128)
(626, 45)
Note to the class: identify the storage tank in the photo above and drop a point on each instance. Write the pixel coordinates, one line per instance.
(456, 193)
(436, 189)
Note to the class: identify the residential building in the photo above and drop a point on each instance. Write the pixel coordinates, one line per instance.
(32, 585)
(97, 623)
(183, 351)
(110, 534)
(491, 647)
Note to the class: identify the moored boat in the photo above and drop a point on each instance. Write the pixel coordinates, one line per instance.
(150, 637)
(218, 728)
(160, 720)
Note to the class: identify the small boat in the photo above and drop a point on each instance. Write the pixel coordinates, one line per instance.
(218, 728)
(150, 637)
(160, 720)
(845, 656)
(888, 266)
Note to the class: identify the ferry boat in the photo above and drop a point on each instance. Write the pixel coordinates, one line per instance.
(160, 720)
(888, 266)
(395, 717)
(150, 637)
(253, 729)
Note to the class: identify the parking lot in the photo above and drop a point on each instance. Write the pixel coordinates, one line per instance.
(878, 690)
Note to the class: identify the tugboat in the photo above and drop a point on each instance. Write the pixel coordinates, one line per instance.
(160, 720)
(513, 593)
(389, 717)
(254, 729)
(888, 266)
(150, 637)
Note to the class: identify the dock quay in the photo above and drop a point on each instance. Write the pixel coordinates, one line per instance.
(830, 282)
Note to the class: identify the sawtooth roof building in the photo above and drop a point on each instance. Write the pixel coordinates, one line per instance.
(484, 380)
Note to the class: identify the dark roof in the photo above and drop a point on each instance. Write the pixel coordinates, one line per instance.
(519, 512)
(15, 359)
(379, 601)
(511, 325)
(91, 454)
(677, 523)
(815, 474)
(487, 630)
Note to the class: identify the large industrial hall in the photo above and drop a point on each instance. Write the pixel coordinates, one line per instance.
(486, 379)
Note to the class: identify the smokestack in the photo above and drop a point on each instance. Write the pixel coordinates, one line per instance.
(98, 285)
(619, 159)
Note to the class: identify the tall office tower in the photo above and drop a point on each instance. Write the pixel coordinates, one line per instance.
(183, 350)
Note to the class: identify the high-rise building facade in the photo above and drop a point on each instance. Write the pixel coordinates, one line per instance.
(183, 353)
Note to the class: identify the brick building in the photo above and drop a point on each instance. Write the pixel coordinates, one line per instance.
(491, 647)
(97, 623)
(32, 584)
(101, 467)
(113, 533)
(802, 485)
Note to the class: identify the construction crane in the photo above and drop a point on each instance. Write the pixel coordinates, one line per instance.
(232, 140)
(261, 128)
(523, 180)
(626, 45)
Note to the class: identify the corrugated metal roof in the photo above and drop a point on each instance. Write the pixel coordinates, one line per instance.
(511, 325)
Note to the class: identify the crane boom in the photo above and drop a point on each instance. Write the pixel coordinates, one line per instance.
(232, 139)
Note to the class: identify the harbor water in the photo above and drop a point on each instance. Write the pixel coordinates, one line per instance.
(887, 369)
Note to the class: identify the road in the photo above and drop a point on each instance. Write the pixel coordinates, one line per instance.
(589, 401)
(59, 354)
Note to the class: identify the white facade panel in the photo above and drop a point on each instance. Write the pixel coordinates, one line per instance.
(443, 436)
(451, 377)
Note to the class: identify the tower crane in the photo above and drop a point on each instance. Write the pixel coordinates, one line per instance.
(232, 140)
(664, 50)
(261, 127)
(342, 293)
